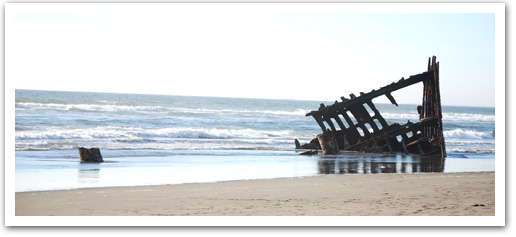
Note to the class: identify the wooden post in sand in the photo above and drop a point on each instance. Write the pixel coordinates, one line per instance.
(90, 155)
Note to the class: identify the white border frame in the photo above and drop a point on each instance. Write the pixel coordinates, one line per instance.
(497, 220)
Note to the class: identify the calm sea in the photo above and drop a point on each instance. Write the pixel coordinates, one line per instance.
(163, 139)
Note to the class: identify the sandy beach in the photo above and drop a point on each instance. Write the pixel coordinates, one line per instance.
(423, 194)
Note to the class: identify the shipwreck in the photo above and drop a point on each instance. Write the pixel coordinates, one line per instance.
(348, 126)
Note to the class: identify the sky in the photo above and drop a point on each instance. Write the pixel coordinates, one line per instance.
(277, 51)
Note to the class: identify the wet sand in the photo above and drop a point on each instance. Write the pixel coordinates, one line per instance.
(424, 194)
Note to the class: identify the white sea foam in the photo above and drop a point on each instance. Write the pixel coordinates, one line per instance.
(411, 116)
(108, 106)
(108, 137)
(113, 137)
(85, 107)
(468, 117)
(211, 133)
(138, 133)
(447, 117)
(468, 134)
(470, 150)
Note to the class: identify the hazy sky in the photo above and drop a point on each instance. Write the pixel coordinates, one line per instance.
(279, 51)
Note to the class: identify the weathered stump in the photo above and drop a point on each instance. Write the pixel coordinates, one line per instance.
(90, 155)
(328, 144)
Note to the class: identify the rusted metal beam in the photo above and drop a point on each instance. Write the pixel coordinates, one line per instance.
(375, 93)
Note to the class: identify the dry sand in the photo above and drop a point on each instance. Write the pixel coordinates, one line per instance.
(426, 194)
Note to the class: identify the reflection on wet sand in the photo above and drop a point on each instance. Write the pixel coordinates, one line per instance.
(88, 175)
(379, 164)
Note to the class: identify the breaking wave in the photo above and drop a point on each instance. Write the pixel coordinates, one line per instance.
(468, 134)
(111, 107)
(447, 117)
(138, 132)
(137, 137)
(86, 107)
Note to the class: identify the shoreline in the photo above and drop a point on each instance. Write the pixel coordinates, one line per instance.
(420, 194)
(243, 180)
(161, 167)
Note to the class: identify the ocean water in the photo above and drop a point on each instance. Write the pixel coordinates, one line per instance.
(163, 139)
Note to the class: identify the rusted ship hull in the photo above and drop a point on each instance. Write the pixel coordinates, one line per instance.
(348, 126)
